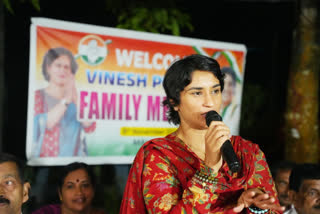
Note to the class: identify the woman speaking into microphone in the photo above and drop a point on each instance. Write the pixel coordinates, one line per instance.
(185, 172)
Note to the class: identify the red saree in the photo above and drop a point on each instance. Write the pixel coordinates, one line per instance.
(160, 179)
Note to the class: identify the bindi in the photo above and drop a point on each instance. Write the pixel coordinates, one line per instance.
(77, 180)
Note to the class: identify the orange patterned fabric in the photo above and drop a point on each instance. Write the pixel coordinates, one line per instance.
(161, 179)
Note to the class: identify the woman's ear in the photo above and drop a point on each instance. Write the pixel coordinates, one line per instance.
(175, 107)
(60, 195)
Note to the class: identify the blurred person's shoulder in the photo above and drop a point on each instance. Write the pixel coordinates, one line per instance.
(49, 209)
(97, 211)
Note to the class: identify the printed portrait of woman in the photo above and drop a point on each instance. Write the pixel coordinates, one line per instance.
(57, 132)
(230, 109)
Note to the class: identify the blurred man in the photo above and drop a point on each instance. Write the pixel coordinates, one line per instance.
(13, 190)
(281, 173)
(304, 189)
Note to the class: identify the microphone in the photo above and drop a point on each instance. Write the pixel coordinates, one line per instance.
(227, 151)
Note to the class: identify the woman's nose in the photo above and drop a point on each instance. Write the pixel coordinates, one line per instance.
(208, 100)
(79, 190)
(65, 69)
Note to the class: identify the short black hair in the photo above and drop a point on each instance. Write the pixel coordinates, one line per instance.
(179, 75)
(231, 72)
(65, 170)
(6, 157)
(302, 172)
(54, 53)
(281, 165)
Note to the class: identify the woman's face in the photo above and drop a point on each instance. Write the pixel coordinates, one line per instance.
(59, 70)
(228, 90)
(77, 191)
(202, 95)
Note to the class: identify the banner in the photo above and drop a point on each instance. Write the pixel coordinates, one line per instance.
(95, 93)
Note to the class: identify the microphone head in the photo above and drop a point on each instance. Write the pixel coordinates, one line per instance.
(212, 116)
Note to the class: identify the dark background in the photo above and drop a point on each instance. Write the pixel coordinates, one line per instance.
(265, 27)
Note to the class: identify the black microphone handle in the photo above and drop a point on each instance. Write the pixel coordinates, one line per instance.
(230, 156)
(226, 149)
